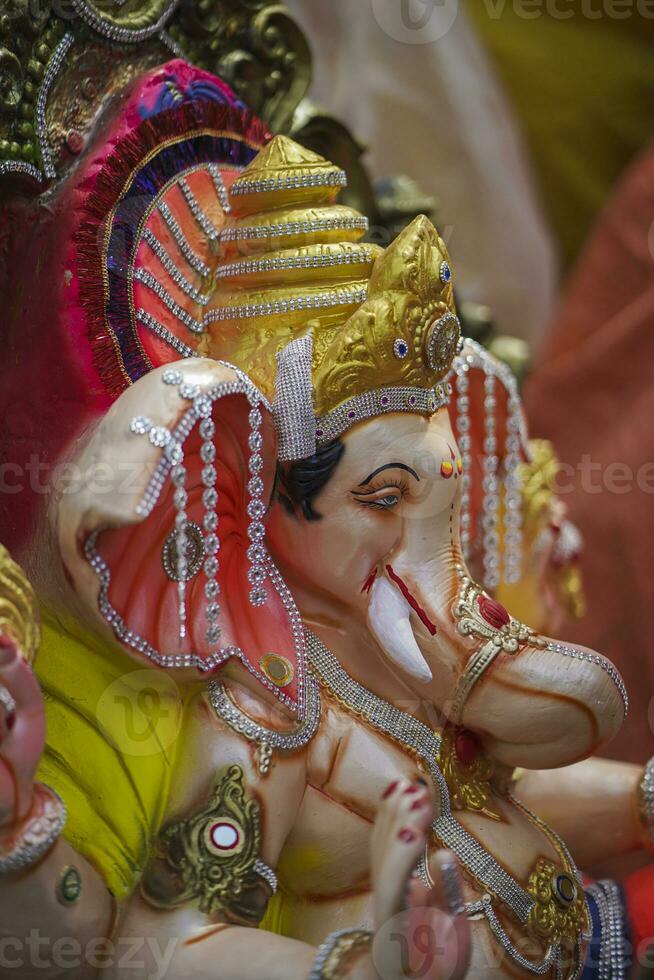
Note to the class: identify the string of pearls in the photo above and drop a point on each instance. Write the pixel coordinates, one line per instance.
(465, 442)
(489, 517)
(512, 494)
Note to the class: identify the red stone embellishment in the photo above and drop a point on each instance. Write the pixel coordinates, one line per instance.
(493, 612)
(467, 747)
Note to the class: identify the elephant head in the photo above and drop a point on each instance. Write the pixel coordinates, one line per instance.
(375, 540)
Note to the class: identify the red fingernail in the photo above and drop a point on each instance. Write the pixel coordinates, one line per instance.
(411, 789)
(419, 805)
(389, 789)
(407, 836)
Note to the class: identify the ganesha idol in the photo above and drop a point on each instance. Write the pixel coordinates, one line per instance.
(275, 729)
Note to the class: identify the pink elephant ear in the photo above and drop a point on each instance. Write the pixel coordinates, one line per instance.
(192, 585)
(488, 421)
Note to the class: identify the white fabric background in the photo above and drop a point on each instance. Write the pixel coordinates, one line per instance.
(434, 110)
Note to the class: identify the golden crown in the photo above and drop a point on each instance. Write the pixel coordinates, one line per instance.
(331, 329)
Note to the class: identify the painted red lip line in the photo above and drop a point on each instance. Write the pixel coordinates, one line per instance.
(417, 608)
(367, 585)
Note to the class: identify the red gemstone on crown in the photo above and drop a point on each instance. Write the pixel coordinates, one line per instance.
(493, 612)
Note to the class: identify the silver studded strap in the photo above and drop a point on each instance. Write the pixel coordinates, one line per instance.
(293, 413)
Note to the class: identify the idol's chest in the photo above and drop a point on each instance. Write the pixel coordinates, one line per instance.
(350, 765)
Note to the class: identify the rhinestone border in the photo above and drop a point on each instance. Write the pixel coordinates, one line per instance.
(370, 404)
(332, 178)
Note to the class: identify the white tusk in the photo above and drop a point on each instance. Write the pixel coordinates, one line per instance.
(389, 620)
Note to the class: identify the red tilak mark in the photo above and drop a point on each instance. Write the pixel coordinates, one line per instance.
(389, 789)
(367, 585)
(417, 608)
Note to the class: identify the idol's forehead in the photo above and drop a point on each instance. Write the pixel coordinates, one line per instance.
(413, 440)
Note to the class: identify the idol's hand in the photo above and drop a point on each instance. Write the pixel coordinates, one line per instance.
(419, 931)
(22, 735)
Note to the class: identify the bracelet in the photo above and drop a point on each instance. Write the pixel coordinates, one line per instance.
(266, 872)
(646, 803)
(338, 947)
(38, 833)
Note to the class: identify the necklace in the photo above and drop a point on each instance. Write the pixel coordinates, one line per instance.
(424, 743)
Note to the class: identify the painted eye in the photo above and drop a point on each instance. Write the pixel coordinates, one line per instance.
(383, 499)
(447, 469)
(459, 466)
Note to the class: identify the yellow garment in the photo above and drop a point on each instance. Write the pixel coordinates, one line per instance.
(114, 730)
(581, 79)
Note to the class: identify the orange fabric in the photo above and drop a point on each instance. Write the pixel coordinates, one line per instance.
(591, 394)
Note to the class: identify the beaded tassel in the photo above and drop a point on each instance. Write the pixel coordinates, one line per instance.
(512, 495)
(489, 486)
(161, 437)
(256, 509)
(175, 453)
(204, 408)
(180, 497)
(463, 434)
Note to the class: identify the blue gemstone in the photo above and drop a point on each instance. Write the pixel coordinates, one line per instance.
(446, 272)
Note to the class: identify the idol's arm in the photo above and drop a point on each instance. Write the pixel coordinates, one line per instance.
(55, 918)
(194, 933)
(54, 907)
(593, 805)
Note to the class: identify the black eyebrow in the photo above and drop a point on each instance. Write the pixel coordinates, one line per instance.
(390, 466)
